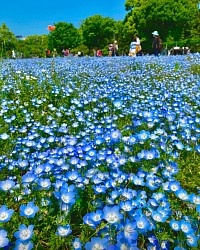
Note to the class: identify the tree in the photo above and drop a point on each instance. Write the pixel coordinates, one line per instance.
(172, 19)
(7, 40)
(98, 31)
(32, 46)
(64, 36)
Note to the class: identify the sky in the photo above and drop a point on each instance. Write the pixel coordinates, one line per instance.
(32, 17)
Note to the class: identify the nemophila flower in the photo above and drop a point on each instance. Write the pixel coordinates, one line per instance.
(182, 194)
(24, 234)
(7, 185)
(115, 135)
(143, 135)
(158, 216)
(3, 238)
(175, 225)
(194, 199)
(66, 196)
(138, 181)
(4, 136)
(192, 240)
(127, 206)
(44, 183)
(117, 104)
(97, 243)
(19, 245)
(128, 193)
(186, 227)
(5, 213)
(143, 224)
(129, 231)
(63, 231)
(112, 214)
(165, 245)
(174, 186)
(76, 244)
(28, 178)
(29, 210)
(179, 145)
(96, 216)
(23, 164)
(99, 189)
(153, 241)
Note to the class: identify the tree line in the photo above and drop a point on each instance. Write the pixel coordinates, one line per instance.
(178, 23)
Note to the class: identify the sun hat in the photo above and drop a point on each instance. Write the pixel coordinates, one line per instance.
(155, 33)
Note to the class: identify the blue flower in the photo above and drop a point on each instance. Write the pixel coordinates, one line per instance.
(76, 244)
(127, 206)
(175, 225)
(63, 231)
(3, 238)
(29, 210)
(182, 194)
(112, 214)
(130, 232)
(5, 213)
(143, 135)
(192, 240)
(23, 245)
(97, 243)
(6, 185)
(142, 223)
(25, 233)
(186, 227)
(115, 135)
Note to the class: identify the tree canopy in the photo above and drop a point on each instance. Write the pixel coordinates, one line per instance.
(175, 21)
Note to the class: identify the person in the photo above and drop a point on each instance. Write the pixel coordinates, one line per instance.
(110, 50)
(160, 45)
(155, 43)
(13, 54)
(48, 53)
(63, 52)
(132, 50)
(99, 53)
(138, 46)
(115, 48)
(54, 52)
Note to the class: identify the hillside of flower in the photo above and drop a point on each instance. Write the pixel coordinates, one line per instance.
(100, 153)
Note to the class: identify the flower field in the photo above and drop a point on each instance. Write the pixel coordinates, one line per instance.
(100, 153)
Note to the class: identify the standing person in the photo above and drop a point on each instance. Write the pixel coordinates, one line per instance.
(138, 46)
(13, 54)
(115, 48)
(110, 50)
(155, 43)
(132, 50)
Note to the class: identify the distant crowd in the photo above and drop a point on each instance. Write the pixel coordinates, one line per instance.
(134, 50)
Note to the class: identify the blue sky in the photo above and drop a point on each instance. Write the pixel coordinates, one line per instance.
(31, 17)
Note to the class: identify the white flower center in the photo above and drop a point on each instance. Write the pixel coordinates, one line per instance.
(97, 247)
(112, 217)
(28, 211)
(25, 234)
(3, 216)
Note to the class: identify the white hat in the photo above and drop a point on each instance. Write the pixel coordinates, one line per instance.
(155, 33)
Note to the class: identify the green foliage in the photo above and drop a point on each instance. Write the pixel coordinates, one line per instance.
(98, 31)
(170, 18)
(64, 36)
(7, 41)
(32, 46)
